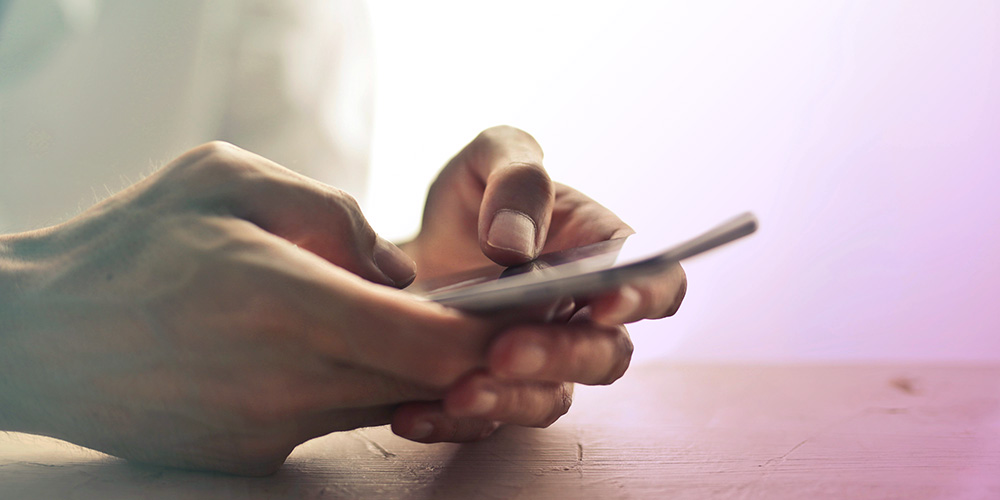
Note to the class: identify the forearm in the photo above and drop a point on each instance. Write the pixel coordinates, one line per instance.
(9, 277)
(9, 285)
(16, 268)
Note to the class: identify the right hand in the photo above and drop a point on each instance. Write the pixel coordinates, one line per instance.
(531, 365)
(195, 320)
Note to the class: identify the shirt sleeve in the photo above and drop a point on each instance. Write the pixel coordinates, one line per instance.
(300, 87)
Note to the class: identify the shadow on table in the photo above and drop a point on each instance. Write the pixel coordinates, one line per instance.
(113, 478)
(508, 462)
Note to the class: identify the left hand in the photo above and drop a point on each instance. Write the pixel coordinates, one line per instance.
(494, 202)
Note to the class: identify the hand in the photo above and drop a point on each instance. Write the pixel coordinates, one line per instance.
(196, 320)
(494, 202)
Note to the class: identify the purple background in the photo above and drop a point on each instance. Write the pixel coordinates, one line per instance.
(865, 135)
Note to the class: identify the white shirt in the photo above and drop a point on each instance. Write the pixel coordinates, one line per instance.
(94, 94)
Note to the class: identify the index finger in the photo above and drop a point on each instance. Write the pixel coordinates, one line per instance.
(324, 220)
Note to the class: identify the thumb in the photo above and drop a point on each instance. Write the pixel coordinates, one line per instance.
(518, 195)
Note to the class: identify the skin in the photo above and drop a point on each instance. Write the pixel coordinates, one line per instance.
(501, 169)
(226, 309)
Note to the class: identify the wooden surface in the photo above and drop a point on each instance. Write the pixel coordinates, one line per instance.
(677, 432)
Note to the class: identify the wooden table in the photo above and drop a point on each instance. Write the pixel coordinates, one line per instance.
(664, 431)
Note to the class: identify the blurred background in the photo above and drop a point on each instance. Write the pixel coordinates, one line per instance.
(865, 136)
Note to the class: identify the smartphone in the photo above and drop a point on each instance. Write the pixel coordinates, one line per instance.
(574, 273)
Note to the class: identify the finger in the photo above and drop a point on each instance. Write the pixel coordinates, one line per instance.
(579, 351)
(578, 220)
(426, 422)
(306, 212)
(345, 319)
(652, 297)
(388, 330)
(533, 404)
(518, 196)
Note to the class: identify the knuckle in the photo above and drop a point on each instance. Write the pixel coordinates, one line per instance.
(487, 429)
(494, 134)
(219, 156)
(528, 179)
(211, 165)
(622, 358)
(465, 430)
(345, 200)
(626, 347)
(346, 208)
(563, 401)
(208, 150)
(219, 148)
(675, 304)
(499, 135)
(532, 173)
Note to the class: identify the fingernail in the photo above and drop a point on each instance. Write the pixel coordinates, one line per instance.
(514, 231)
(628, 302)
(528, 359)
(484, 402)
(394, 263)
(420, 430)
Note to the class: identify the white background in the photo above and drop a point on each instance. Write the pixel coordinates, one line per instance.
(865, 135)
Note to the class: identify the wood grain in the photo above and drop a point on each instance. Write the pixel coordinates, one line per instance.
(693, 431)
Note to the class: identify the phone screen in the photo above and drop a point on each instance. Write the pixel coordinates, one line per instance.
(593, 257)
(574, 272)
